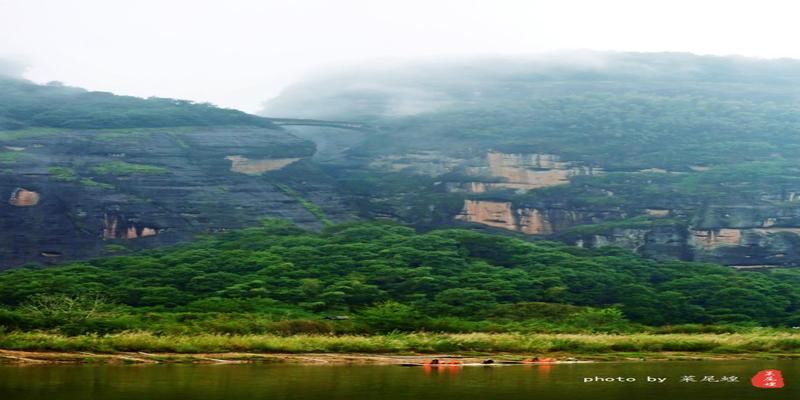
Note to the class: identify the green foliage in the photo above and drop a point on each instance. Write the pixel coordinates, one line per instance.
(71, 313)
(17, 131)
(390, 278)
(63, 174)
(112, 248)
(595, 345)
(628, 131)
(25, 105)
(126, 168)
(607, 319)
(93, 183)
(11, 157)
(391, 316)
(640, 222)
(309, 206)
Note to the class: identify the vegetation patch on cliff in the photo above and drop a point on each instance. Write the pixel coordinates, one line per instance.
(126, 168)
(640, 222)
(95, 184)
(63, 174)
(314, 209)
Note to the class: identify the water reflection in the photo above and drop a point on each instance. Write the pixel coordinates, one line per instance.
(244, 382)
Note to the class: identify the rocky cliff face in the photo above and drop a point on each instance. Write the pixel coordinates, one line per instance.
(530, 221)
(657, 242)
(529, 171)
(739, 235)
(746, 242)
(747, 234)
(77, 194)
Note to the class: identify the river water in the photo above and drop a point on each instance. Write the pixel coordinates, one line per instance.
(286, 381)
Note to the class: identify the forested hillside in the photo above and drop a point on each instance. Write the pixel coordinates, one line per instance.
(24, 104)
(389, 277)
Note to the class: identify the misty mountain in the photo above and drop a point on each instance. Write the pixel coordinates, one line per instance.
(11, 68)
(26, 104)
(673, 156)
(409, 88)
(669, 154)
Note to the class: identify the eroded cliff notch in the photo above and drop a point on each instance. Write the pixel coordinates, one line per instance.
(502, 215)
(23, 198)
(247, 166)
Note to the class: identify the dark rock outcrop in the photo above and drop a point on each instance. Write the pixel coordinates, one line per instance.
(71, 194)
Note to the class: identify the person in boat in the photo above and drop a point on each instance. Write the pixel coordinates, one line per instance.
(432, 362)
(488, 361)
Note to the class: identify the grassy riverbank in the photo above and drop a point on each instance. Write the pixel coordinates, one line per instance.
(579, 345)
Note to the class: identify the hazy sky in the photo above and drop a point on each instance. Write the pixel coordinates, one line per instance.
(238, 53)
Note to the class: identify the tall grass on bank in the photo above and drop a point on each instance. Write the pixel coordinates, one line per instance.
(407, 343)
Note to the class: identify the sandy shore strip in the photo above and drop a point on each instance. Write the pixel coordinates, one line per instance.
(31, 357)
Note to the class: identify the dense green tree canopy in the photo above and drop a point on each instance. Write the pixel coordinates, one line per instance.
(359, 267)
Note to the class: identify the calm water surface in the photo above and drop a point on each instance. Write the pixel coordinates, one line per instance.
(246, 382)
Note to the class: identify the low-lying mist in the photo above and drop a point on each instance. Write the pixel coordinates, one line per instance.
(413, 87)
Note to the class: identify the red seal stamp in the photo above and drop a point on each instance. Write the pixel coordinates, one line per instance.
(768, 379)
